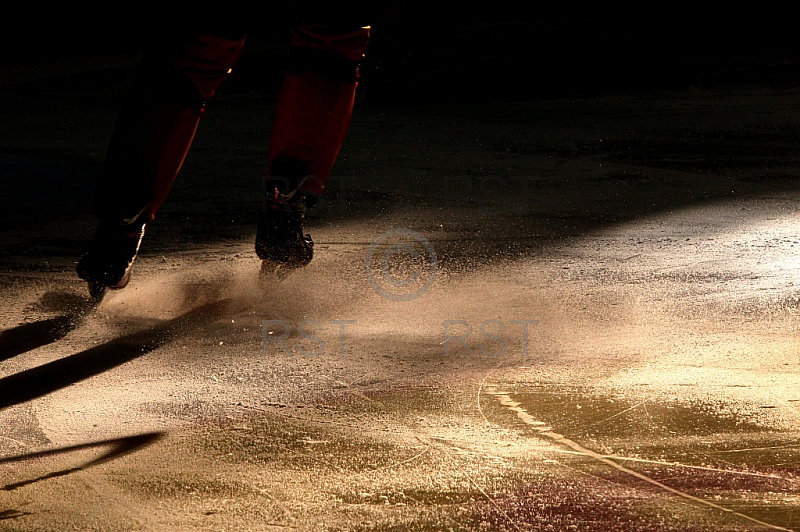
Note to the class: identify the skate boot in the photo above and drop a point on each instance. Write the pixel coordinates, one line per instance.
(280, 242)
(109, 262)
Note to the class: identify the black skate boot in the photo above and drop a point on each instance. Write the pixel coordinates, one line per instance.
(280, 242)
(109, 262)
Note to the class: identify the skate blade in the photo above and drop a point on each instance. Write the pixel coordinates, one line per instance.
(96, 293)
(276, 270)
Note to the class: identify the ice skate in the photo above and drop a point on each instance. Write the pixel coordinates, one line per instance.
(281, 243)
(109, 262)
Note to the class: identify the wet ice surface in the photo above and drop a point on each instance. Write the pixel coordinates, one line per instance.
(656, 389)
(673, 362)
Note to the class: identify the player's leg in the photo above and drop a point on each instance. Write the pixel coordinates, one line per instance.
(150, 140)
(311, 117)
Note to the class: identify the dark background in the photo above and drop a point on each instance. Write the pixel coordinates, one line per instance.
(479, 54)
(66, 75)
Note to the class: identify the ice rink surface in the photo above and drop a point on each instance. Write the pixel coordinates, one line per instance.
(576, 310)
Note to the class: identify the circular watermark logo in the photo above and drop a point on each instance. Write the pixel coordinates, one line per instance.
(401, 265)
